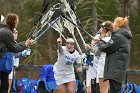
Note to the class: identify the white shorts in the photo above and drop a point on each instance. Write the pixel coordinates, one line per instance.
(97, 70)
(11, 75)
(16, 64)
(91, 74)
(100, 65)
(61, 79)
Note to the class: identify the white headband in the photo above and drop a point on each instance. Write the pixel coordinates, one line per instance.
(2, 18)
(70, 40)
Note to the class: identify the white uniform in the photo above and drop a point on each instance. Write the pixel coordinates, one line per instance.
(91, 71)
(63, 68)
(100, 65)
(101, 61)
(97, 70)
(16, 64)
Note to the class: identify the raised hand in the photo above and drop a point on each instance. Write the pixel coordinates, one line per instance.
(29, 42)
(59, 40)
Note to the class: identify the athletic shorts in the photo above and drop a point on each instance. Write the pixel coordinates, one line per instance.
(91, 74)
(11, 75)
(61, 79)
(100, 66)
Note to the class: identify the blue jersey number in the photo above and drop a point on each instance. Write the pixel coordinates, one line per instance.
(69, 63)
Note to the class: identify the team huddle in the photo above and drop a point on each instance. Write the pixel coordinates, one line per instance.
(110, 50)
(106, 57)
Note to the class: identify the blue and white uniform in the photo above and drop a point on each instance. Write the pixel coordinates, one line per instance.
(63, 68)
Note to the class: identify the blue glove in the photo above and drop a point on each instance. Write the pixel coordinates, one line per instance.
(89, 61)
(24, 53)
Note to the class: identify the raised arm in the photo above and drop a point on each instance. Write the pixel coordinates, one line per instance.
(78, 65)
(113, 44)
(12, 45)
(59, 44)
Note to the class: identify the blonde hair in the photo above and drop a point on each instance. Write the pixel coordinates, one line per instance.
(121, 22)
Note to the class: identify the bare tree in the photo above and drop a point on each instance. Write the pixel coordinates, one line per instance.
(95, 17)
(125, 7)
(139, 7)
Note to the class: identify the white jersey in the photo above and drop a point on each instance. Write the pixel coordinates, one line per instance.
(65, 60)
(97, 70)
(106, 39)
(16, 61)
(101, 61)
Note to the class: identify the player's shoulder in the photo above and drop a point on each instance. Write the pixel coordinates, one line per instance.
(76, 52)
